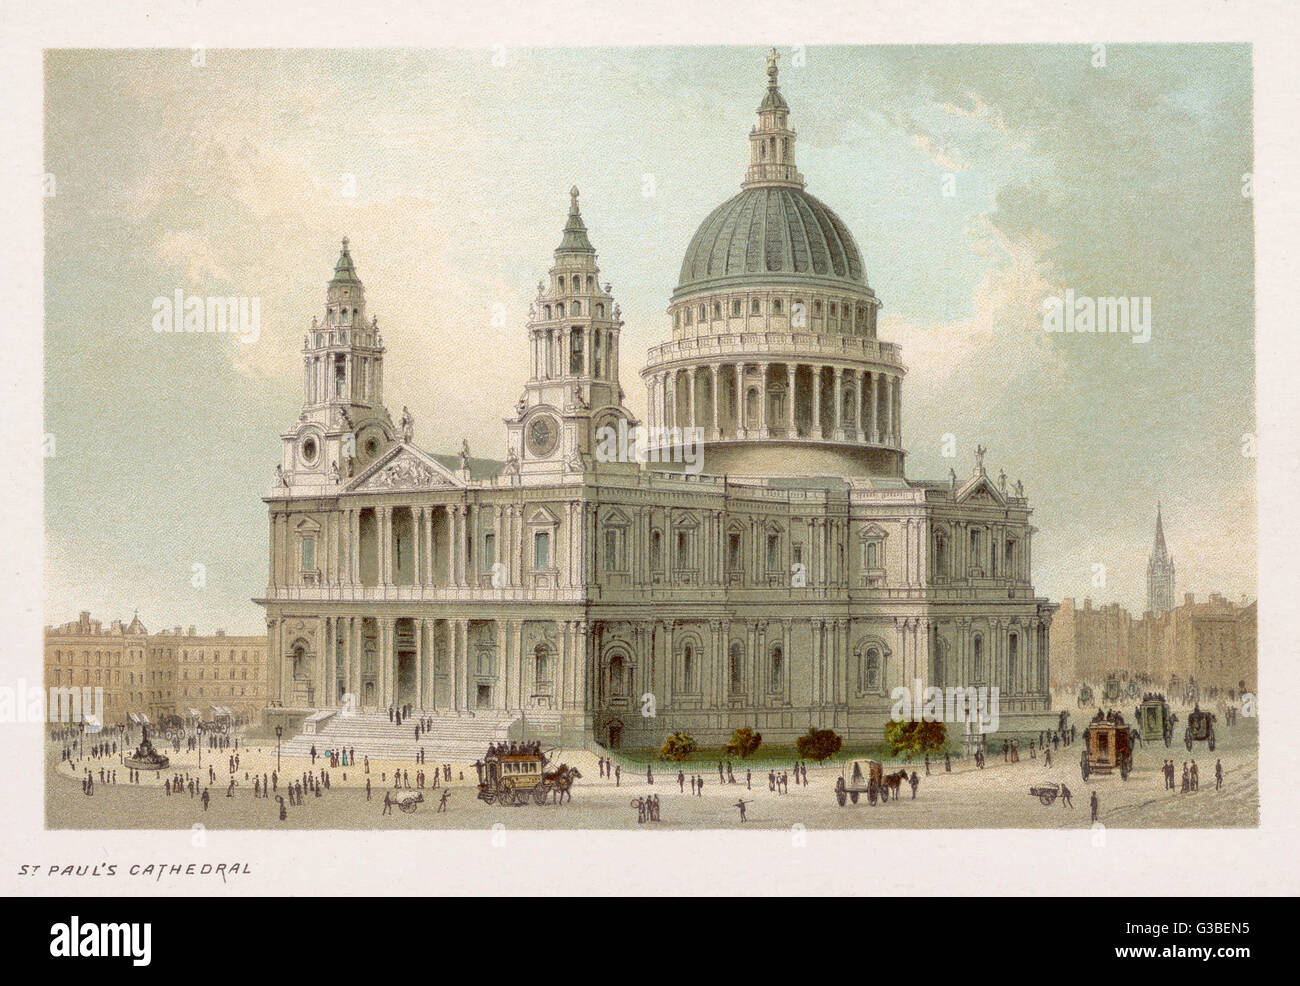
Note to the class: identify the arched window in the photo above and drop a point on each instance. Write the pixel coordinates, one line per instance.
(873, 554)
(591, 283)
(755, 307)
(1013, 656)
(736, 667)
(600, 310)
(778, 667)
(547, 309)
(717, 310)
(688, 669)
(869, 680)
(735, 306)
(977, 643)
(776, 306)
(560, 282)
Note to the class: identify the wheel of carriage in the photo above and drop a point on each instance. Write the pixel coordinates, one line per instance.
(408, 807)
(841, 795)
(488, 797)
(1046, 798)
(539, 794)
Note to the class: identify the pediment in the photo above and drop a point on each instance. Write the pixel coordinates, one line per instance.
(873, 532)
(542, 517)
(615, 518)
(980, 489)
(405, 467)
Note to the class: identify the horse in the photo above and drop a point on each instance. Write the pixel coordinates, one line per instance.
(891, 782)
(560, 782)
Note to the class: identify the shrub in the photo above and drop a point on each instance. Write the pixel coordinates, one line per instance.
(818, 744)
(744, 742)
(677, 747)
(912, 737)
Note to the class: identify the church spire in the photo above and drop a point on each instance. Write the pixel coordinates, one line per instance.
(1160, 572)
(771, 142)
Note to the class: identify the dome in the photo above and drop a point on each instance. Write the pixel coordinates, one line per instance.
(770, 233)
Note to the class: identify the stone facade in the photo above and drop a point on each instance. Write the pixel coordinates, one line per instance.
(158, 674)
(794, 582)
(1211, 643)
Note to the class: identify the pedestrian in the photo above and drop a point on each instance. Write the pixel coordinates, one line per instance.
(681, 783)
(915, 782)
(442, 804)
(1096, 806)
(388, 805)
(741, 805)
(927, 765)
(947, 763)
(1218, 774)
(1065, 797)
(367, 788)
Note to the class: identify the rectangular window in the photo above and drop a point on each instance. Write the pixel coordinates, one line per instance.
(489, 551)
(575, 351)
(308, 554)
(773, 553)
(683, 549)
(541, 551)
(611, 549)
(733, 553)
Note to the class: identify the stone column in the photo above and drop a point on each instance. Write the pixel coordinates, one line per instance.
(888, 424)
(714, 385)
(838, 434)
(789, 416)
(875, 409)
(690, 398)
(739, 402)
(503, 657)
(857, 405)
(786, 626)
(816, 431)
(895, 411)
(765, 430)
(815, 626)
(452, 511)
(670, 662)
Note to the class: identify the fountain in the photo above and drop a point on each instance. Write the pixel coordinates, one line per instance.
(145, 756)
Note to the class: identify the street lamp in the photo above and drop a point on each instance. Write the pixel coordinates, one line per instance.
(279, 731)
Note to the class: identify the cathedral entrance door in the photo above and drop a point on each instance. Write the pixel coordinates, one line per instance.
(406, 678)
(615, 734)
(484, 697)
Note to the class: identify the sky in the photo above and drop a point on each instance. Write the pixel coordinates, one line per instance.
(978, 181)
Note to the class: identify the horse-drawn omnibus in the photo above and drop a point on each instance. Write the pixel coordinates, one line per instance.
(512, 773)
(1107, 746)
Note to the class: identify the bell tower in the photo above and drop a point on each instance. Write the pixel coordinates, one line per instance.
(573, 392)
(344, 424)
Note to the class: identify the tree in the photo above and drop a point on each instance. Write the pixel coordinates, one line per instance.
(744, 742)
(911, 737)
(818, 744)
(677, 747)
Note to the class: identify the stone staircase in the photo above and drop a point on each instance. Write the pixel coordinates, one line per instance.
(453, 737)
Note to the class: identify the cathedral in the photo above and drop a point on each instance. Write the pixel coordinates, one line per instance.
(792, 579)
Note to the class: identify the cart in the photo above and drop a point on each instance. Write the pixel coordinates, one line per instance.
(870, 783)
(408, 800)
(1046, 793)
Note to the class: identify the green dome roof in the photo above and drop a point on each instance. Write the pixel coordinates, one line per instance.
(766, 234)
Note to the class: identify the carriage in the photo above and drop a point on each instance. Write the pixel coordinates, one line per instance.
(1200, 726)
(1154, 720)
(1107, 746)
(871, 783)
(511, 774)
(1111, 691)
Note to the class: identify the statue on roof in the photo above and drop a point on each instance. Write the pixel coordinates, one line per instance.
(408, 424)
(1020, 489)
(979, 457)
(1002, 481)
(464, 453)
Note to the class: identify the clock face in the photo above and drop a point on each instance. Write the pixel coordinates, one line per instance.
(543, 435)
